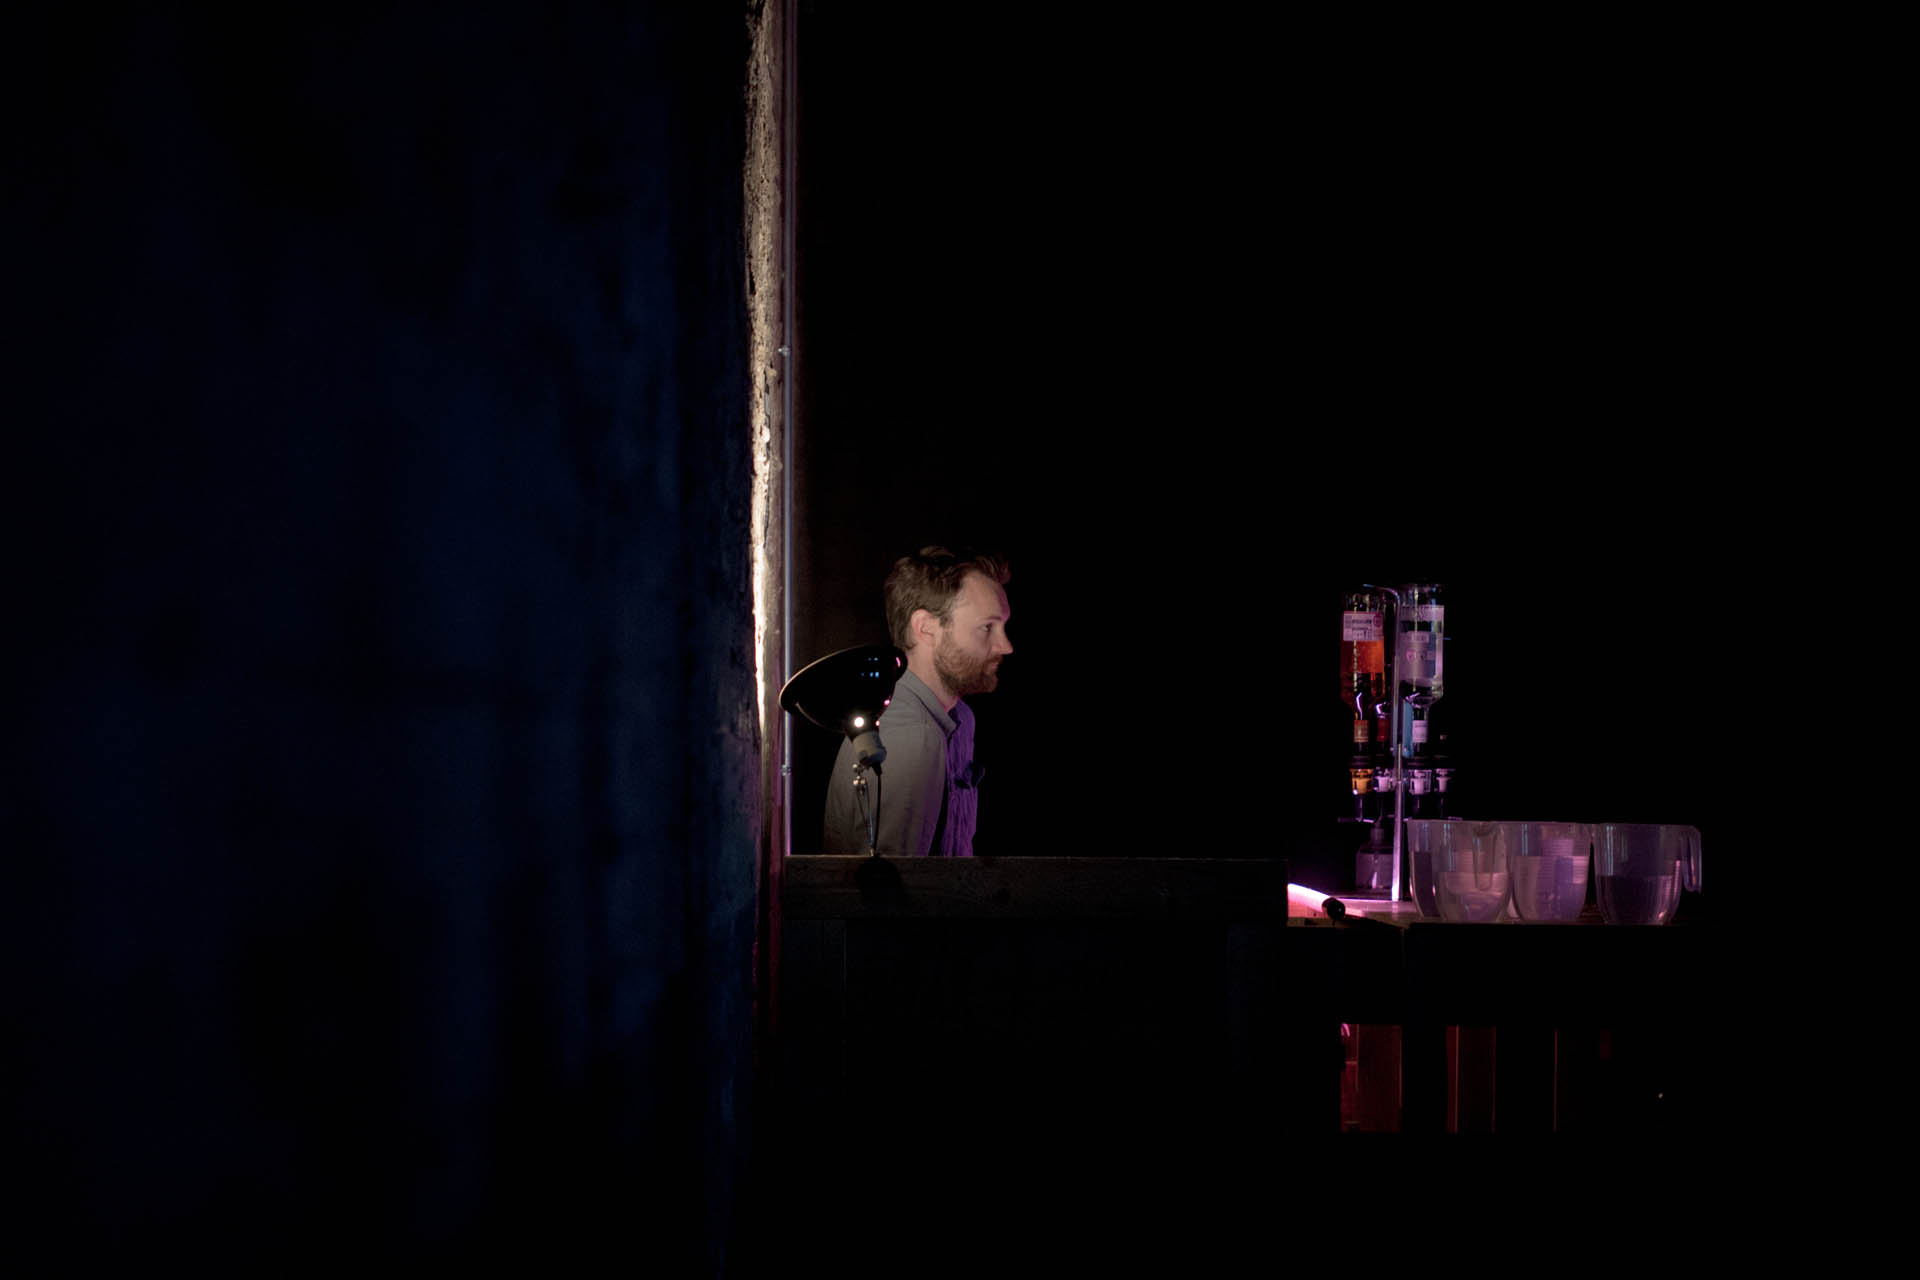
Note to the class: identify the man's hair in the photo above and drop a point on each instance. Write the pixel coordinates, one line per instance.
(931, 579)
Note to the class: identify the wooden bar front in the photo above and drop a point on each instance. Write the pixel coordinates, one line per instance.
(1171, 1004)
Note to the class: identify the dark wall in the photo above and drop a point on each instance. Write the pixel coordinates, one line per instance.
(1204, 320)
(383, 739)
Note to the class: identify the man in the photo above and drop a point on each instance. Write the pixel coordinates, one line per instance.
(949, 612)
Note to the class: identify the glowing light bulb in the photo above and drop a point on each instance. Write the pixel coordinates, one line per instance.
(859, 722)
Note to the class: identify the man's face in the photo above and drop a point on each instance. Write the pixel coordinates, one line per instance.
(967, 659)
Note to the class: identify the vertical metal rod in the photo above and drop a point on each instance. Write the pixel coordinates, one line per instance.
(1393, 739)
(789, 96)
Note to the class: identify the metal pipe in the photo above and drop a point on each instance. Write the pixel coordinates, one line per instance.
(1393, 738)
(789, 63)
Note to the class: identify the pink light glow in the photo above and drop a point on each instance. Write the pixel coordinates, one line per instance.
(1302, 901)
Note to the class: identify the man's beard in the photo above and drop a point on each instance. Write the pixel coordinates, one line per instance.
(963, 673)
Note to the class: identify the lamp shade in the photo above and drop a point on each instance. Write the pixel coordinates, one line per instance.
(845, 691)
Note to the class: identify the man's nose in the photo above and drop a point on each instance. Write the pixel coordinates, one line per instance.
(1002, 644)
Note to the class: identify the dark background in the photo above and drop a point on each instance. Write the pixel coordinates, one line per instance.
(1202, 322)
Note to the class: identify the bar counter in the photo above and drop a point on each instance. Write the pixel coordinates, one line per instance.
(1182, 993)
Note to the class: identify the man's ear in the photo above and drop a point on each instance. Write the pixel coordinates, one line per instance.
(924, 627)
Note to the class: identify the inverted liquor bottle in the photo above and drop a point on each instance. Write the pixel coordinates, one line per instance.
(1424, 740)
(1420, 640)
(1363, 688)
(1363, 662)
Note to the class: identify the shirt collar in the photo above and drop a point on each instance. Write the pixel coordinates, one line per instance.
(911, 684)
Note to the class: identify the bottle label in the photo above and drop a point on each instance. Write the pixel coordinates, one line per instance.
(1427, 613)
(1362, 732)
(1421, 653)
(1419, 732)
(1363, 628)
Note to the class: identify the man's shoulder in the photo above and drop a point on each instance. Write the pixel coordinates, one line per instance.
(912, 734)
(912, 702)
(907, 715)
